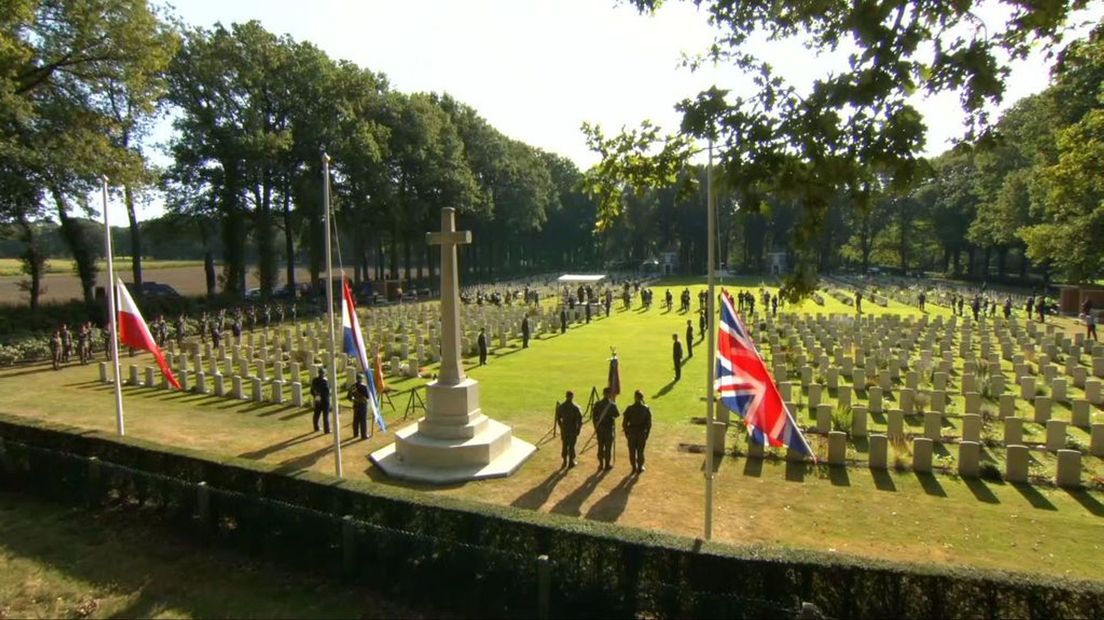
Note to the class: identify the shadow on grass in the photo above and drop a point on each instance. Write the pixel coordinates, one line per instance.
(572, 503)
(276, 447)
(839, 477)
(1033, 496)
(611, 506)
(931, 485)
(663, 391)
(535, 497)
(753, 467)
(795, 471)
(981, 491)
(1086, 499)
(883, 481)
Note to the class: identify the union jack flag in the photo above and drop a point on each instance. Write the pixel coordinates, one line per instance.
(747, 388)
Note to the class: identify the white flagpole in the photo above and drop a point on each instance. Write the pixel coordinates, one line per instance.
(710, 309)
(111, 314)
(330, 314)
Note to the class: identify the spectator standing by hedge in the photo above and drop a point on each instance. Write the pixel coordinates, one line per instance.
(66, 343)
(55, 349)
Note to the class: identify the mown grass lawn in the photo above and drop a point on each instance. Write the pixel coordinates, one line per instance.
(60, 562)
(898, 516)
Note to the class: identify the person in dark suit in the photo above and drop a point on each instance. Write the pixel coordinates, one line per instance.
(563, 320)
(569, 419)
(320, 390)
(689, 339)
(482, 346)
(525, 332)
(677, 354)
(604, 416)
(359, 395)
(637, 425)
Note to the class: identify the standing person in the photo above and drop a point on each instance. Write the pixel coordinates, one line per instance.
(55, 350)
(774, 305)
(204, 327)
(105, 335)
(525, 332)
(922, 298)
(1007, 307)
(975, 307)
(669, 298)
(358, 393)
(961, 301)
(587, 311)
(676, 352)
(563, 320)
(236, 328)
(66, 343)
(636, 425)
(569, 419)
(701, 324)
(1090, 325)
(858, 302)
(83, 334)
(320, 390)
(689, 340)
(482, 346)
(1041, 309)
(1030, 306)
(604, 415)
(181, 327)
(216, 336)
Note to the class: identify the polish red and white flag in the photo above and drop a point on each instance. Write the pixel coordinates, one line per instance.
(134, 333)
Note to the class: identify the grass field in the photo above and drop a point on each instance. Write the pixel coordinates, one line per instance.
(14, 267)
(899, 516)
(64, 563)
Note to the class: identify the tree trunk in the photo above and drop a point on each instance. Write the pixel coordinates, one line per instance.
(289, 239)
(135, 237)
(394, 255)
(83, 255)
(263, 237)
(34, 260)
(208, 258)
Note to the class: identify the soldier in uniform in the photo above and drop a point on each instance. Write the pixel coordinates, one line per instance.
(482, 346)
(66, 343)
(204, 327)
(636, 425)
(181, 326)
(320, 390)
(702, 323)
(216, 336)
(55, 350)
(677, 353)
(570, 421)
(604, 416)
(563, 320)
(83, 334)
(359, 395)
(525, 332)
(689, 339)
(236, 328)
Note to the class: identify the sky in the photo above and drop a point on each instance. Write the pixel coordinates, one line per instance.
(536, 69)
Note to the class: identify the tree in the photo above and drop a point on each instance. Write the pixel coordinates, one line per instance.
(849, 127)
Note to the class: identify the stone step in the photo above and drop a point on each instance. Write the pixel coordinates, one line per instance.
(481, 449)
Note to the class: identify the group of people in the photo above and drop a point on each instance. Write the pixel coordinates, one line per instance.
(636, 425)
(62, 345)
(358, 394)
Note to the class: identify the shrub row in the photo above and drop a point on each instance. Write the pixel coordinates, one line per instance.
(481, 559)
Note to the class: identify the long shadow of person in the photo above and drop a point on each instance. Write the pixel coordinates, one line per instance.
(535, 497)
(572, 503)
(664, 390)
(610, 507)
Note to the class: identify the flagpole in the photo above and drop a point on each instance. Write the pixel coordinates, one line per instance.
(330, 314)
(710, 353)
(111, 313)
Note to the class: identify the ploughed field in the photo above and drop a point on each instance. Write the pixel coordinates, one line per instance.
(895, 513)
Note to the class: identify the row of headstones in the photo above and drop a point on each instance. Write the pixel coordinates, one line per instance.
(1056, 430)
(230, 386)
(1017, 458)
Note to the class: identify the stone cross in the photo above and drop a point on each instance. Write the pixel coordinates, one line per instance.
(452, 370)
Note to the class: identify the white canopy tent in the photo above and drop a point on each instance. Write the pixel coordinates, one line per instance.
(575, 278)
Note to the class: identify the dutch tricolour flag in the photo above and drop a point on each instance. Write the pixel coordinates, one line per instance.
(354, 345)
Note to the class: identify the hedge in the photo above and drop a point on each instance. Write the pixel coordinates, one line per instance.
(481, 559)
